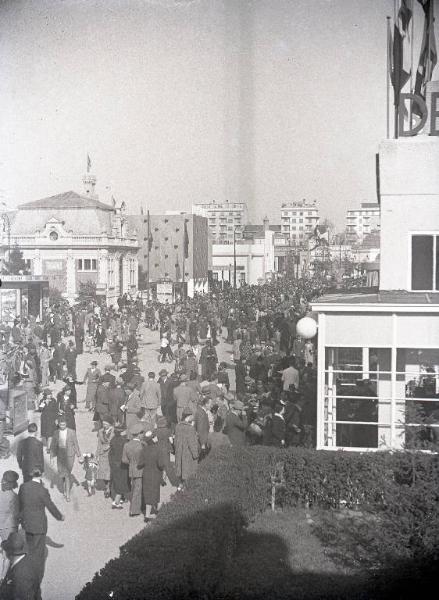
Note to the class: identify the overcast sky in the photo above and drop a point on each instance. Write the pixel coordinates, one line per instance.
(194, 100)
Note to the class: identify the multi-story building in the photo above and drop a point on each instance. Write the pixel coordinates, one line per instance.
(362, 221)
(299, 219)
(174, 249)
(71, 238)
(224, 219)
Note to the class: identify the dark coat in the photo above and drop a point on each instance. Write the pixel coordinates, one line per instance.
(34, 499)
(201, 423)
(150, 461)
(116, 399)
(30, 456)
(48, 418)
(235, 428)
(277, 431)
(240, 374)
(22, 581)
(119, 471)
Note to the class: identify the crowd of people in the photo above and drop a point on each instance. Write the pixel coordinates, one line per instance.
(152, 428)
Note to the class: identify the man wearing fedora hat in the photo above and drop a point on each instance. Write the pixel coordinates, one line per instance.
(34, 498)
(21, 581)
(236, 423)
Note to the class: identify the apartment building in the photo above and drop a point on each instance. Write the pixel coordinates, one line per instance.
(224, 219)
(299, 219)
(362, 221)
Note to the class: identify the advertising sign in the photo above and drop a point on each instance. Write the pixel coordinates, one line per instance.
(18, 410)
(165, 291)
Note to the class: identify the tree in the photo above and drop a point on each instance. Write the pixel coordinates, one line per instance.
(15, 265)
(87, 292)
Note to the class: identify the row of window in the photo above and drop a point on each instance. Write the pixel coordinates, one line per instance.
(87, 264)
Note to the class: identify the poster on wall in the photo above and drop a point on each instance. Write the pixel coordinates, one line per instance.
(164, 291)
(8, 305)
(18, 410)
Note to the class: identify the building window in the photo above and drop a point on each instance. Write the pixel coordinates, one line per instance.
(53, 236)
(425, 262)
(87, 264)
(177, 229)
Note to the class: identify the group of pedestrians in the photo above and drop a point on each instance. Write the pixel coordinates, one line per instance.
(152, 428)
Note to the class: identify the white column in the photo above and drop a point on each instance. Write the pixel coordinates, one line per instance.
(71, 277)
(126, 274)
(103, 267)
(320, 434)
(190, 287)
(37, 263)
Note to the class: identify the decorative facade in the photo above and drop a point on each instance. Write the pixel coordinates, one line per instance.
(71, 238)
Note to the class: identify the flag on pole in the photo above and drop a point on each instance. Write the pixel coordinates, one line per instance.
(402, 48)
(428, 54)
(88, 163)
(186, 241)
(390, 50)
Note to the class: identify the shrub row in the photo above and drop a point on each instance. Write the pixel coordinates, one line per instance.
(186, 551)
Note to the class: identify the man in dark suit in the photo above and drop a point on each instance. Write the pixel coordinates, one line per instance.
(166, 393)
(33, 500)
(201, 423)
(236, 424)
(30, 453)
(278, 425)
(21, 581)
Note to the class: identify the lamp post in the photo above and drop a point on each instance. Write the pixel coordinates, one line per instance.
(234, 254)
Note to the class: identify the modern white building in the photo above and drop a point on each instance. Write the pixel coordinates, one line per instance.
(378, 354)
(255, 260)
(362, 221)
(71, 238)
(299, 219)
(225, 219)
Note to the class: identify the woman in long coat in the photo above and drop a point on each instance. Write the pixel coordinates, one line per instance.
(105, 434)
(45, 356)
(186, 447)
(151, 462)
(133, 408)
(120, 486)
(64, 447)
(49, 414)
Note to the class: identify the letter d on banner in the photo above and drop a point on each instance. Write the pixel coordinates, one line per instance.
(423, 107)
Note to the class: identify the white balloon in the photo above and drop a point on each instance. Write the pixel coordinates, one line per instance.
(306, 328)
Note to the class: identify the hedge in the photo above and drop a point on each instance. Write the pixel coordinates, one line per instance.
(187, 549)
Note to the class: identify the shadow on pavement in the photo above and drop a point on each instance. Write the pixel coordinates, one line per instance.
(197, 557)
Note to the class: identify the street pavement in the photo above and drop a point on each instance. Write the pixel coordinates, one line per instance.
(92, 532)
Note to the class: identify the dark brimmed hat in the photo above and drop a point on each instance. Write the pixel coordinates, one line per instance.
(94, 363)
(163, 372)
(14, 545)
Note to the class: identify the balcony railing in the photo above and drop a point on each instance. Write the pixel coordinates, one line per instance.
(74, 240)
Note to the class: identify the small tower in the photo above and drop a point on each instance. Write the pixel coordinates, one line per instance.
(266, 223)
(89, 180)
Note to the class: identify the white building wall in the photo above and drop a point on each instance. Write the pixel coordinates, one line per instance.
(409, 180)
